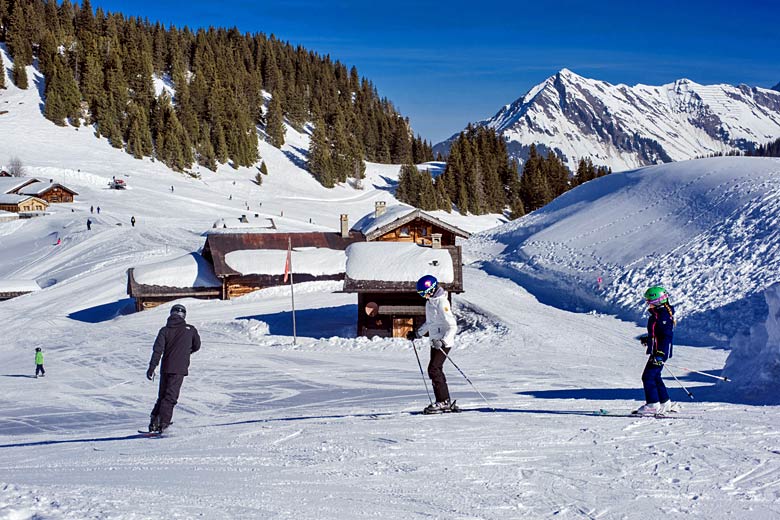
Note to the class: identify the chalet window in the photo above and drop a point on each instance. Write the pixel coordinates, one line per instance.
(404, 231)
(424, 231)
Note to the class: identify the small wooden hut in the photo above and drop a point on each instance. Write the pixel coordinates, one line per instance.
(246, 262)
(22, 203)
(189, 276)
(51, 192)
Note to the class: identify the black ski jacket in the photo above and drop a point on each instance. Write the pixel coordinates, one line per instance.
(174, 344)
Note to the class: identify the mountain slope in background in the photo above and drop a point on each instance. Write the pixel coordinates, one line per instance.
(707, 229)
(627, 127)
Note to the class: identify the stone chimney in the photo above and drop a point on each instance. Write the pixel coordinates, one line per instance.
(380, 207)
(436, 240)
(344, 225)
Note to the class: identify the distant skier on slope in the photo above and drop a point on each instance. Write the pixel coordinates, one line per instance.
(174, 344)
(39, 363)
(660, 331)
(441, 326)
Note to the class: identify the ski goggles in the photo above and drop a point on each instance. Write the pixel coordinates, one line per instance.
(661, 299)
(427, 292)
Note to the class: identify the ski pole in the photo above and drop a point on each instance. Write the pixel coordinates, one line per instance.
(679, 383)
(703, 373)
(469, 380)
(414, 347)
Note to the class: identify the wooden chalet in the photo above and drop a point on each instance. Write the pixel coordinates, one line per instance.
(13, 288)
(4, 173)
(246, 262)
(22, 203)
(189, 276)
(403, 244)
(52, 192)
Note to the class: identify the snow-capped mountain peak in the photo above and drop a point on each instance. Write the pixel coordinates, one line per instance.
(626, 127)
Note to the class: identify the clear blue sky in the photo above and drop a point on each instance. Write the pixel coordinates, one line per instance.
(444, 64)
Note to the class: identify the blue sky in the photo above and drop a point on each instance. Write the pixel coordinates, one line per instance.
(444, 64)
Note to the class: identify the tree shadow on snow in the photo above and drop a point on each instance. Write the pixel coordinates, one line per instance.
(312, 323)
(105, 312)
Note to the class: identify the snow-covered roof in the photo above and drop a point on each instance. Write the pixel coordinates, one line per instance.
(12, 198)
(310, 260)
(397, 262)
(14, 286)
(373, 226)
(39, 187)
(9, 184)
(190, 270)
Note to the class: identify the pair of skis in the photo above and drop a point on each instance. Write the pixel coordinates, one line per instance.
(606, 413)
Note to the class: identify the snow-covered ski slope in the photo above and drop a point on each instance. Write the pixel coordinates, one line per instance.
(706, 229)
(318, 430)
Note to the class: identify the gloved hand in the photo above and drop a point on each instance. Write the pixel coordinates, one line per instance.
(150, 373)
(658, 359)
(438, 343)
(644, 339)
(412, 335)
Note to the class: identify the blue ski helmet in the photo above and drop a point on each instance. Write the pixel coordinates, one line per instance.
(427, 285)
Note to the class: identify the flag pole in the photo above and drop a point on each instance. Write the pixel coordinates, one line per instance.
(292, 292)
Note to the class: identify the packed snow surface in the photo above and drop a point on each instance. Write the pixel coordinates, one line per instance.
(320, 428)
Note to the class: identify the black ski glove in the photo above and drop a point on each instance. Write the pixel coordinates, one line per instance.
(412, 335)
(150, 373)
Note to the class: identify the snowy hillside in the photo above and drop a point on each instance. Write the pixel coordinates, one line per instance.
(708, 229)
(323, 429)
(627, 127)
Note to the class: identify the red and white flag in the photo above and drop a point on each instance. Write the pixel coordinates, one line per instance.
(287, 265)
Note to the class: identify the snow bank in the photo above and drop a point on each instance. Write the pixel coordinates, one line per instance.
(708, 230)
(754, 363)
(190, 270)
(310, 260)
(397, 262)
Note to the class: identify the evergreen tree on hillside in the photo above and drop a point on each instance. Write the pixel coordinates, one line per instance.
(274, 126)
(321, 163)
(63, 100)
(534, 188)
(2, 72)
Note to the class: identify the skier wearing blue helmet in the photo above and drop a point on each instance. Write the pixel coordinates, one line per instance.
(441, 326)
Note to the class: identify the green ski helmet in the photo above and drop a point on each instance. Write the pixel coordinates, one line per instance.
(656, 295)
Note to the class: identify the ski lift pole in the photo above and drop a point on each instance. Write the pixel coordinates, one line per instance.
(721, 378)
(292, 291)
(414, 347)
(679, 383)
(469, 380)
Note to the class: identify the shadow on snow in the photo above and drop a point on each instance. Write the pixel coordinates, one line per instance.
(320, 323)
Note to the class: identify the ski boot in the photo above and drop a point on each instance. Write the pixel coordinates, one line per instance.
(441, 407)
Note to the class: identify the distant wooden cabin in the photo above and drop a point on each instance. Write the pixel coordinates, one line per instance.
(51, 192)
(403, 244)
(12, 185)
(246, 262)
(4, 173)
(189, 276)
(13, 288)
(22, 203)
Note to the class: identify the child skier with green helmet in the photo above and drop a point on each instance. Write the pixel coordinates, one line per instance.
(660, 332)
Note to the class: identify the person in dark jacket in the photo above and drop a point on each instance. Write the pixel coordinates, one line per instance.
(174, 344)
(660, 332)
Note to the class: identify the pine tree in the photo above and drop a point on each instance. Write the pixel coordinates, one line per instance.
(320, 157)
(275, 123)
(263, 168)
(2, 72)
(63, 100)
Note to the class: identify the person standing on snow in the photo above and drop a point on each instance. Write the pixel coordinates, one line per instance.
(39, 363)
(132, 220)
(174, 344)
(660, 331)
(441, 326)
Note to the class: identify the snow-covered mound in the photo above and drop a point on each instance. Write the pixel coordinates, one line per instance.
(627, 127)
(707, 229)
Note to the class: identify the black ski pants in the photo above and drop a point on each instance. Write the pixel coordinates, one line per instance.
(436, 373)
(167, 397)
(39, 368)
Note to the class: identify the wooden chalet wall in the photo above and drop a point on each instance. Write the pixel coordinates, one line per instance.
(31, 204)
(56, 194)
(418, 231)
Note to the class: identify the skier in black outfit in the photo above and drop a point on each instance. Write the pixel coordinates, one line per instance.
(174, 344)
